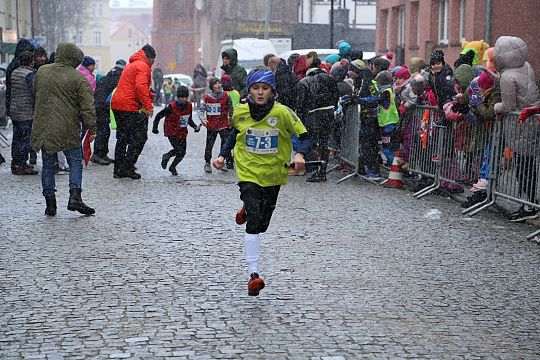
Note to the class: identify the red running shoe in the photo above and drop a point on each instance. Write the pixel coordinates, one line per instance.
(255, 284)
(241, 215)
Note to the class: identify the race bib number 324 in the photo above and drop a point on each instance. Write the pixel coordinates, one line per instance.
(262, 141)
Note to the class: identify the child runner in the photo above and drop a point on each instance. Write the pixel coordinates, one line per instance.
(177, 117)
(219, 111)
(261, 138)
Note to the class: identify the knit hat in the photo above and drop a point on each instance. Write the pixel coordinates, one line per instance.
(395, 69)
(212, 82)
(226, 82)
(414, 64)
(389, 56)
(261, 76)
(384, 78)
(381, 63)
(344, 49)
(485, 81)
(464, 74)
(182, 91)
(402, 73)
(338, 72)
(87, 61)
(121, 63)
(149, 51)
(357, 66)
(357, 55)
(332, 58)
(436, 56)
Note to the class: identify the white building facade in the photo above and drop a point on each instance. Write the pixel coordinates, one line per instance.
(362, 13)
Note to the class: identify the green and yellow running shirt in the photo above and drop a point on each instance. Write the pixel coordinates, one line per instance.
(264, 147)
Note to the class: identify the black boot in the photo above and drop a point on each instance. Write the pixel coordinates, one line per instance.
(50, 210)
(2, 160)
(318, 176)
(75, 203)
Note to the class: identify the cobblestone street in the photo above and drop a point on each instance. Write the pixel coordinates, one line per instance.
(351, 271)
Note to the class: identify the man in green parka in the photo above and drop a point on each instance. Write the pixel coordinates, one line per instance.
(63, 100)
(236, 72)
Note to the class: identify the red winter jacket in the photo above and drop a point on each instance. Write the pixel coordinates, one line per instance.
(133, 90)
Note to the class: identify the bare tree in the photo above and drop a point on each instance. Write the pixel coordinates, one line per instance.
(57, 17)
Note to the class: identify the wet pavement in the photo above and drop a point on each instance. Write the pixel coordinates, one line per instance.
(352, 271)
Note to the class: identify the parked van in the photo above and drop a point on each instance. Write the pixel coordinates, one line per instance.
(322, 53)
(250, 52)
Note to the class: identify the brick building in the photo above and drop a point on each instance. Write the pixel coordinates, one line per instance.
(415, 28)
(188, 32)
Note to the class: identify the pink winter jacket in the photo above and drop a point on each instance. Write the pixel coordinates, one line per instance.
(89, 76)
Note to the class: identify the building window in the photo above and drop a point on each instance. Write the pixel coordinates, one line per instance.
(414, 30)
(179, 53)
(78, 38)
(401, 26)
(97, 59)
(388, 30)
(443, 22)
(462, 4)
(97, 37)
(100, 10)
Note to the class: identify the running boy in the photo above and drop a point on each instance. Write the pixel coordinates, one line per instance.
(177, 117)
(219, 111)
(261, 138)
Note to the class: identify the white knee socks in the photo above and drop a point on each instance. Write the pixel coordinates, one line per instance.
(251, 243)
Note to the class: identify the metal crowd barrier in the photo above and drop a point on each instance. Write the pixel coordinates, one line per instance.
(462, 152)
(350, 128)
(514, 171)
(425, 145)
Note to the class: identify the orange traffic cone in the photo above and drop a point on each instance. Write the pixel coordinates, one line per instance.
(394, 178)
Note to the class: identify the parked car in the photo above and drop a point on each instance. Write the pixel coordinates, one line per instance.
(179, 78)
(251, 52)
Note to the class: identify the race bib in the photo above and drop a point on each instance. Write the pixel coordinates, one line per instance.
(213, 109)
(183, 121)
(262, 141)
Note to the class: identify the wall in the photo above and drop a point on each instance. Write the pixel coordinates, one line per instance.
(123, 45)
(517, 18)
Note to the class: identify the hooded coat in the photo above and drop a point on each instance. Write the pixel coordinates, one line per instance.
(518, 91)
(237, 73)
(63, 99)
(518, 88)
(286, 85)
(133, 90)
(22, 45)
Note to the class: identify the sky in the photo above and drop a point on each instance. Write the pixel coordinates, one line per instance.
(131, 3)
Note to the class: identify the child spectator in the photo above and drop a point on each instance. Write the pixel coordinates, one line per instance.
(441, 78)
(218, 111)
(178, 115)
(387, 112)
(226, 83)
(519, 91)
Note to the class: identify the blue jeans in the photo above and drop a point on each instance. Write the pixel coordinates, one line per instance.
(74, 159)
(484, 170)
(20, 146)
